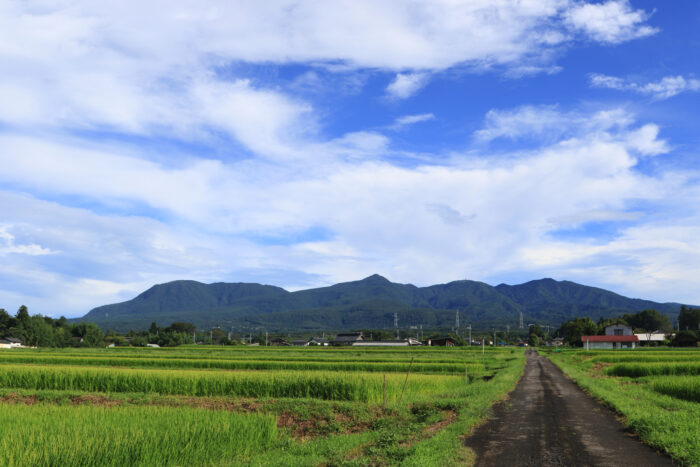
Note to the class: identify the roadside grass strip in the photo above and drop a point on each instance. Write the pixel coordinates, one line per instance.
(46, 435)
(663, 410)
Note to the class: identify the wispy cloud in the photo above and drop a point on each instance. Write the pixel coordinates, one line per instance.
(665, 88)
(408, 120)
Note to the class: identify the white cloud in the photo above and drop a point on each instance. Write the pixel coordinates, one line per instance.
(668, 86)
(408, 120)
(406, 84)
(165, 67)
(479, 220)
(613, 21)
(9, 245)
(550, 123)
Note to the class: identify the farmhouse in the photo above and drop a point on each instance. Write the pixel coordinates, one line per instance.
(617, 336)
(609, 342)
(618, 330)
(440, 342)
(348, 338)
(323, 341)
(10, 343)
(300, 342)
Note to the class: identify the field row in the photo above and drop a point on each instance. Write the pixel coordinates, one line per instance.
(250, 406)
(452, 367)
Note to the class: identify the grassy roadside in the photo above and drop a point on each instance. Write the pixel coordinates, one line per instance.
(667, 423)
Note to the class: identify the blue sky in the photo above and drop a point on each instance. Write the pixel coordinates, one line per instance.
(304, 143)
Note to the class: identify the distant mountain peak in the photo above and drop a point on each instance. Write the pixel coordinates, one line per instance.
(376, 278)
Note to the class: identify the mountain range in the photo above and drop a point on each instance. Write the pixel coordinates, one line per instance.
(367, 303)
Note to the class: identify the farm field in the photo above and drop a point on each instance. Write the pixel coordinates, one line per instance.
(656, 390)
(247, 405)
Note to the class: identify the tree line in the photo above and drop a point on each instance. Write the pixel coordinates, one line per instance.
(44, 331)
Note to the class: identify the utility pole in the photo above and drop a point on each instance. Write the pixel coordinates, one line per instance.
(265, 338)
(494, 337)
(457, 322)
(522, 326)
(470, 335)
(396, 325)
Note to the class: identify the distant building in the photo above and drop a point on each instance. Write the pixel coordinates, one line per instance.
(395, 343)
(10, 343)
(557, 341)
(300, 342)
(649, 337)
(618, 330)
(440, 342)
(348, 338)
(279, 341)
(609, 342)
(322, 341)
(152, 345)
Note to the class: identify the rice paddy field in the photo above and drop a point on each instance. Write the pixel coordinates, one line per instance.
(241, 405)
(657, 391)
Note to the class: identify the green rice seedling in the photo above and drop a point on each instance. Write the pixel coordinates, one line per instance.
(365, 387)
(686, 388)
(136, 436)
(246, 364)
(638, 370)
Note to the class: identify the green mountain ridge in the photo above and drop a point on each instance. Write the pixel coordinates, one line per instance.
(367, 303)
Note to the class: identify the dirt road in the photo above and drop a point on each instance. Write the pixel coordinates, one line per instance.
(549, 421)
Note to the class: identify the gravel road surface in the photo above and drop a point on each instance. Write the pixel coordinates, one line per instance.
(549, 421)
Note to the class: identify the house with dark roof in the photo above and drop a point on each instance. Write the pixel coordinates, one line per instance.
(322, 341)
(348, 338)
(440, 342)
(300, 342)
(10, 342)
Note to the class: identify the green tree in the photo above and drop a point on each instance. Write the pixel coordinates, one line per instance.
(572, 330)
(186, 328)
(22, 314)
(689, 319)
(648, 320)
(535, 335)
(37, 332)
(6, 322)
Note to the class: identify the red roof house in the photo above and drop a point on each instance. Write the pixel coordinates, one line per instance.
(609, 342)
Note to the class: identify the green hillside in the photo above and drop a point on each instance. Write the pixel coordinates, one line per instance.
(367, 303)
